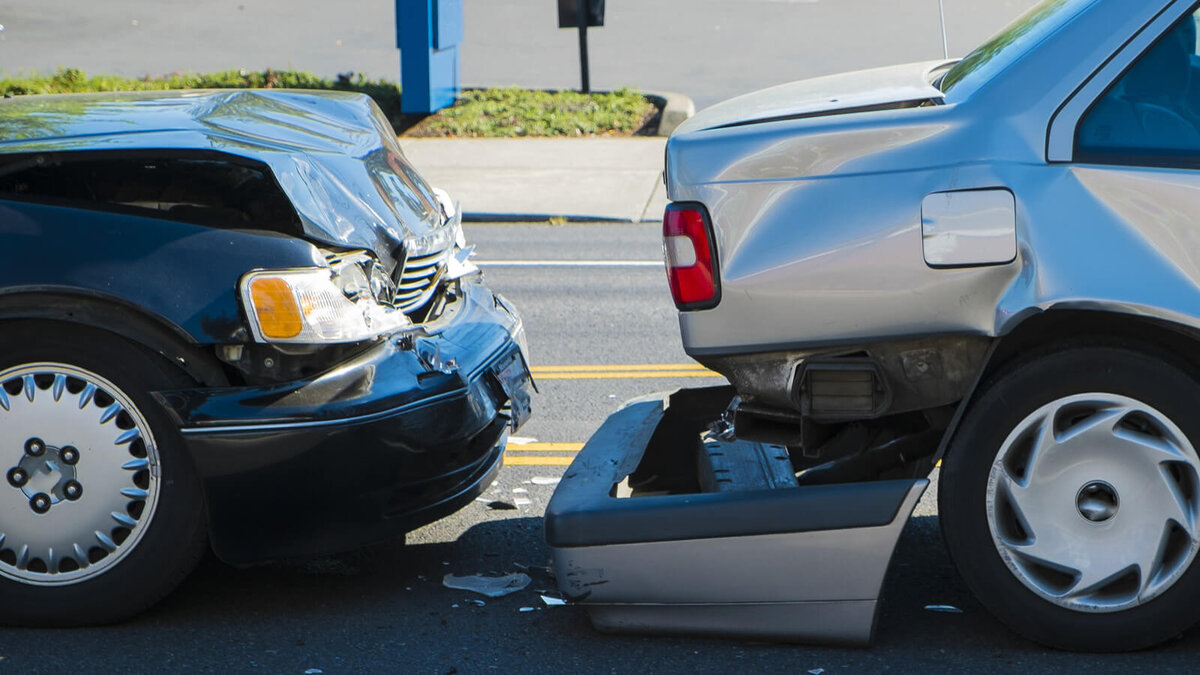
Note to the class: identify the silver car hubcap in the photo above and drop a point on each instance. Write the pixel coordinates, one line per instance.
(1092, 502)
(80, 474)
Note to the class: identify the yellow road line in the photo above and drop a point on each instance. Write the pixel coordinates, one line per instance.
(545, 447)
(545, 460)
(600, 368)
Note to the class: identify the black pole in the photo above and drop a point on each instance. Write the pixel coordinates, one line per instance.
(581, 13)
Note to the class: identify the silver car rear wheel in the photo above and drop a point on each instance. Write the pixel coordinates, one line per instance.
(81, 472)
(1092, 502)
(1070, 493)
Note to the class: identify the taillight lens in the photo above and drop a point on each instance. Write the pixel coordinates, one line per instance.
(691, 256)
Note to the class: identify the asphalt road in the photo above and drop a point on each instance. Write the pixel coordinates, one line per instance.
(707, 49)
(384, 609)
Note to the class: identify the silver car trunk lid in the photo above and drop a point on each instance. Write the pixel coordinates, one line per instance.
(893, 86)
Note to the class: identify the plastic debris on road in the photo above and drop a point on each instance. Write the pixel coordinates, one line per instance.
(492, 587)
(553, 602)
(947, 609)
(476, 602)
(816, 671)
(313, 671)
(522, 501)
(544, 480)
(526, 609)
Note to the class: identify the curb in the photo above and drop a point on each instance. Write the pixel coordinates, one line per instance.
(676, 109)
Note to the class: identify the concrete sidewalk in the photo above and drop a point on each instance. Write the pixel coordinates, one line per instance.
(612, 179)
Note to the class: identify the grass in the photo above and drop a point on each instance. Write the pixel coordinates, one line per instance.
(479, 113)
(508, 112)
(75, 81)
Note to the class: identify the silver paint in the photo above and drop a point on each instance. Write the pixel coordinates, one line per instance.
(68, 412)
(817, 219)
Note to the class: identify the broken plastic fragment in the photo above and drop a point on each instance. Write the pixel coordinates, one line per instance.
(525, 609)
(948, 609)
(520, 491)
(522, 501)
(492, 587)
(544, 480)
(476, 602)
(313, 671)
(816, 671)
(553, 602)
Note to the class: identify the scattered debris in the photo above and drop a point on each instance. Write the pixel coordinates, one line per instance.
(492, 587)
(520, 491)
(521, 440)
(313, 671)
(558, 602)
(948, 609)
(476, 602)
(526, 609)
(544, 480)
(454, 606)
(816, 671)
(522, 501)
(498, 505)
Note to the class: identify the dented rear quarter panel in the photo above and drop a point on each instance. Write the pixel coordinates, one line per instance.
(817, 220)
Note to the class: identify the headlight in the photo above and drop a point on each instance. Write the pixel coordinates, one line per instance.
(306, 306)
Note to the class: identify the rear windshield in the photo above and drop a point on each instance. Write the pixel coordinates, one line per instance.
(1004, 47)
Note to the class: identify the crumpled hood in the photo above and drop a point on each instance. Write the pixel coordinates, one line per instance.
(333, 153)
(845, 92)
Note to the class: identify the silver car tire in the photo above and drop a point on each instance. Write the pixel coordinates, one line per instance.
(101, 513)
(1069, 498)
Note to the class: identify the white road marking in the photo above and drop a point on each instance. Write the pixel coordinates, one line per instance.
(569, 263)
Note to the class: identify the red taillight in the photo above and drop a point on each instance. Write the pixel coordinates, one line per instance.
(691, 257)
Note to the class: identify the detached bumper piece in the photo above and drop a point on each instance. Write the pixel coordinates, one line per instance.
(660, 527)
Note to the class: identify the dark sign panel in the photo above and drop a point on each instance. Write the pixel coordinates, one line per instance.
(568, 16)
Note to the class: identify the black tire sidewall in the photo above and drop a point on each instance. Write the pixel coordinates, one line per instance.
(175, 539)
(1004, 402)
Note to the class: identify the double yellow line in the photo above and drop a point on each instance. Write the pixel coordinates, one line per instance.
(561, 454)
(537, 458)
(622, 372)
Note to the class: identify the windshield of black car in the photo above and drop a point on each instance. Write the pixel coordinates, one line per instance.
(1004, 47)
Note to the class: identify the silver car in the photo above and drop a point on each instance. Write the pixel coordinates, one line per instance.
(1003, 250)
(994, 263)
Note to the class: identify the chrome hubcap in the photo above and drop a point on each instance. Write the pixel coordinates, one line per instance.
(1092, 502)
(81, 474)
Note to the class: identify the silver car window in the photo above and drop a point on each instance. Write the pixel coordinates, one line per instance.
(1004, 47)
(1151, 114)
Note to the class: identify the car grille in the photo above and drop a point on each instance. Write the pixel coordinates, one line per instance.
(419, 280)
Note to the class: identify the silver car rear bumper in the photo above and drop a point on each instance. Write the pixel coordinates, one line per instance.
(797, 564)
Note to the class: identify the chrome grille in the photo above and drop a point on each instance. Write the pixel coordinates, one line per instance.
(419, 279)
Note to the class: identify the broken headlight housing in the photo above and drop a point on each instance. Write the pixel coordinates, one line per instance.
(349, 301)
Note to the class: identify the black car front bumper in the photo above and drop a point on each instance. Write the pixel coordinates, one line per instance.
(403, 434)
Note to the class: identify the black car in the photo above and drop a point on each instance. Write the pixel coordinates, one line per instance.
(235, 319)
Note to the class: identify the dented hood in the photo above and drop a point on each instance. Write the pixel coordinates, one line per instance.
(846, 92)
(333, 153)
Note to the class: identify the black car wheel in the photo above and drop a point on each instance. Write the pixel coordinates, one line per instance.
(1070, 496)
(101, 514)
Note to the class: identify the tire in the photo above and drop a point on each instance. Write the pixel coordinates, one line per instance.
(101, 512)
(1070, 498)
